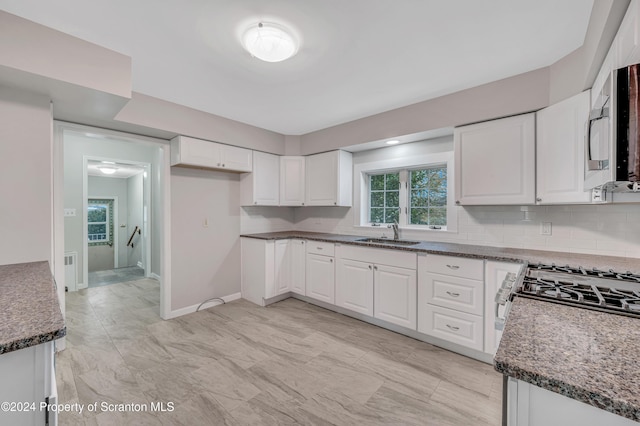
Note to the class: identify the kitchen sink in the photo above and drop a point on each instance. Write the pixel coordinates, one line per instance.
(388, 241)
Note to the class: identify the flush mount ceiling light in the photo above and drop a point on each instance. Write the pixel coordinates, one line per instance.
(393, 142)
(107, 170)
(270, 42)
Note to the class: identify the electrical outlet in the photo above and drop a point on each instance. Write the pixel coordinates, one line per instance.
(545, 228)
(205, 222)
(69, 212)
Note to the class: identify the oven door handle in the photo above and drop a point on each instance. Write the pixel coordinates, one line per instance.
(498, 321)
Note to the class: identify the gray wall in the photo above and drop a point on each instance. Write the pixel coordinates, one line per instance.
(76, 147)
(135, 217)
(25, 177)
(205, 261)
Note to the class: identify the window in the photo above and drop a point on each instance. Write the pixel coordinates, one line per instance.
(428, 197)
(416, 196)
(100, 222)
(384, 198)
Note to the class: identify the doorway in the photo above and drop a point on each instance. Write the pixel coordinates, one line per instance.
(75, 146)
(117, 221)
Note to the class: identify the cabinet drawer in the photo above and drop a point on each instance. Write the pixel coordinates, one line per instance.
(455, 266)
(319, 247)
(453, 326)
(378, 256)
(456, 293)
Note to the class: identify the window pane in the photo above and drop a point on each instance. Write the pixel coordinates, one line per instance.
(438, 216)
(419, 178)
(392, 199)
(419, 216)
(377, 199)
(419, 198)
(377, 183)
(393, 181)
(377, 215)
(437, 198)
(391, 215)
(98, 229)
(97, 213)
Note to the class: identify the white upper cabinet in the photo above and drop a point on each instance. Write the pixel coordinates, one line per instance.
(261, 188)
(186, 151)
(292, 181)
(560, 152)
(495, 161)
(329, 179)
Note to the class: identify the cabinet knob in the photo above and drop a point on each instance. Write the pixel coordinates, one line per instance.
(331, 260)
(255, 202)
(538, 199)
(303, 204)
(301, 242)
(369, 266)
(335, 203)
(218, 164)
(222, 164)
(375, 268)
(457, 201)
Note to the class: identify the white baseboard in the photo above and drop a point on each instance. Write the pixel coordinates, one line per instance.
(154, 276)
(190, 309)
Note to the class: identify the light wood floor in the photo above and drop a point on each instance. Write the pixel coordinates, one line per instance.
(240, 364)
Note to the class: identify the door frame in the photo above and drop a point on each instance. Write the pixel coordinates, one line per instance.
(162, 179)
(146, 208)
(116, 239)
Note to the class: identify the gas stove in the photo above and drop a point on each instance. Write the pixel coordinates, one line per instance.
(608, 291)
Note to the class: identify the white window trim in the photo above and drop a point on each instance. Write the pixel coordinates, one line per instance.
(360, 188)
(108, 235)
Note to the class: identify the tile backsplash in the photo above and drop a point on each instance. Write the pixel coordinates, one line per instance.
(608, 229)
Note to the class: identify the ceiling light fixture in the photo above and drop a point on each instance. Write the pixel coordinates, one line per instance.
(107, 170)
(393, 142)
(270, 42)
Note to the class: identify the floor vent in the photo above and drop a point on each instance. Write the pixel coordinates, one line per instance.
(70, 269)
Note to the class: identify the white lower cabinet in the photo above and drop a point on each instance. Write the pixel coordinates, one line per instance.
(355, 286)
(297, 257)
(320, 274)
(271, 268)
(366, 283)
(395, 295)
(451, 299)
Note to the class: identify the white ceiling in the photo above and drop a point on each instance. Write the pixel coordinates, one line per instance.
(358, 58)
(123, 171)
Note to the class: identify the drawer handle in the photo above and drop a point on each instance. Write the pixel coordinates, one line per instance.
(319, 248)
(453, 327)
(454, 267)
(453, 294)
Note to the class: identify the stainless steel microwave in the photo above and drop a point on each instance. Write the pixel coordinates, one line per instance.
(612, 143)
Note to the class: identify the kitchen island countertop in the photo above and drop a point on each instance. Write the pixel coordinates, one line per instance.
(583, 354)
(29, 304)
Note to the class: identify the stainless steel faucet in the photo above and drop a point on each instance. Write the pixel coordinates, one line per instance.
(394, 226)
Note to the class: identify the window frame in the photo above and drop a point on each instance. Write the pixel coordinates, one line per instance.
(363, 171)
(108, 203)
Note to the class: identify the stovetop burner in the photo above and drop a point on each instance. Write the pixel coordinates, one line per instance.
(607, 291)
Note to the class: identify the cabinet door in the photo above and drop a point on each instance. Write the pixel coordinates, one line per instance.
(495, 272)
(320, 278)
(395, 295)
(236, 159)
(322, 179)
(495, 162)
(560, 151)
(282, 267)
(195, 152)
(266, 178)
(354, 286)
(292, 181)
(298, 262)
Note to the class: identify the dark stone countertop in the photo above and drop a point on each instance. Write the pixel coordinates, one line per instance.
(29, 304)
(586, 355)
(505, 254)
